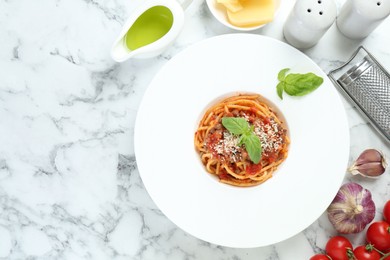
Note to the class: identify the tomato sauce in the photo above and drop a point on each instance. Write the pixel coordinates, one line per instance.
(253, 168)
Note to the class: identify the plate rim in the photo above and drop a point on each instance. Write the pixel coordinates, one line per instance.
(136, 130)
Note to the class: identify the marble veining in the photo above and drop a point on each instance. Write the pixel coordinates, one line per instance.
(69, 183)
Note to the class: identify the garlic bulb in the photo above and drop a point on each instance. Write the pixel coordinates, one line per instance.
(352, 209)
(370, 163)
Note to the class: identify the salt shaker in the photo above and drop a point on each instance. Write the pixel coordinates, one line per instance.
(358, 18)
(308, 22)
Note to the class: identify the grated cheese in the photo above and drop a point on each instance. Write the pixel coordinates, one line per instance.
(270, 134)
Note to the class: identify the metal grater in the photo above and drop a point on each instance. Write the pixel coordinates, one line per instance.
(367, 84)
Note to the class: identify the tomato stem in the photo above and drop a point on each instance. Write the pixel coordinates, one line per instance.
(370, 247)
(380, 252)
(384, 256)
(350, 254)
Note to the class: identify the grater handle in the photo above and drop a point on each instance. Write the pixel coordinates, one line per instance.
(330, 74)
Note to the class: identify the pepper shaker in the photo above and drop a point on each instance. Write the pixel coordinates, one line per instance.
(308, 22)
(358, 18)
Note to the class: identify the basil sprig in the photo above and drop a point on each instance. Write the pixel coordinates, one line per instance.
(296, 84)
(240, 127)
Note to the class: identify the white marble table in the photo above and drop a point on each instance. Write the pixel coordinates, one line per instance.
(69, 184)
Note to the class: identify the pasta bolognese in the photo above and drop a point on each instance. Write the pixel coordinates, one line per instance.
(225, 155)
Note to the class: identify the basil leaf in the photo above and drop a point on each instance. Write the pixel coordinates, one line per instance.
(282, 74)
(236, 125)
(239, 126)
(253, 147)
(279, 89)
(241, 140)
(296, 84)
(301, 84)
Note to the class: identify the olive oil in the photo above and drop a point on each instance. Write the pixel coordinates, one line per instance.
(153, 24)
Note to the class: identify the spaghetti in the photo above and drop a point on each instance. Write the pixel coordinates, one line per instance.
(224, 156)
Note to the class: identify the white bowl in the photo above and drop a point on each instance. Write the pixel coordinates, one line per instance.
(219, 12)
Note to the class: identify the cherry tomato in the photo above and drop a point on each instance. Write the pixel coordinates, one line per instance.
(378, 234)
(319, 257)
(339, 248)
(366, 252)
(386, 212)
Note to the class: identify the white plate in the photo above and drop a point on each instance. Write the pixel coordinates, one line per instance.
(300, 190)
(219, 12)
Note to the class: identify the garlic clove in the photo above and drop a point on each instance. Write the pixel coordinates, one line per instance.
(369, 155)
(370, 163)
(372, 169)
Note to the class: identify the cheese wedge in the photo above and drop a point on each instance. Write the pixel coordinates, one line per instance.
(253, 13)
(231, 5)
